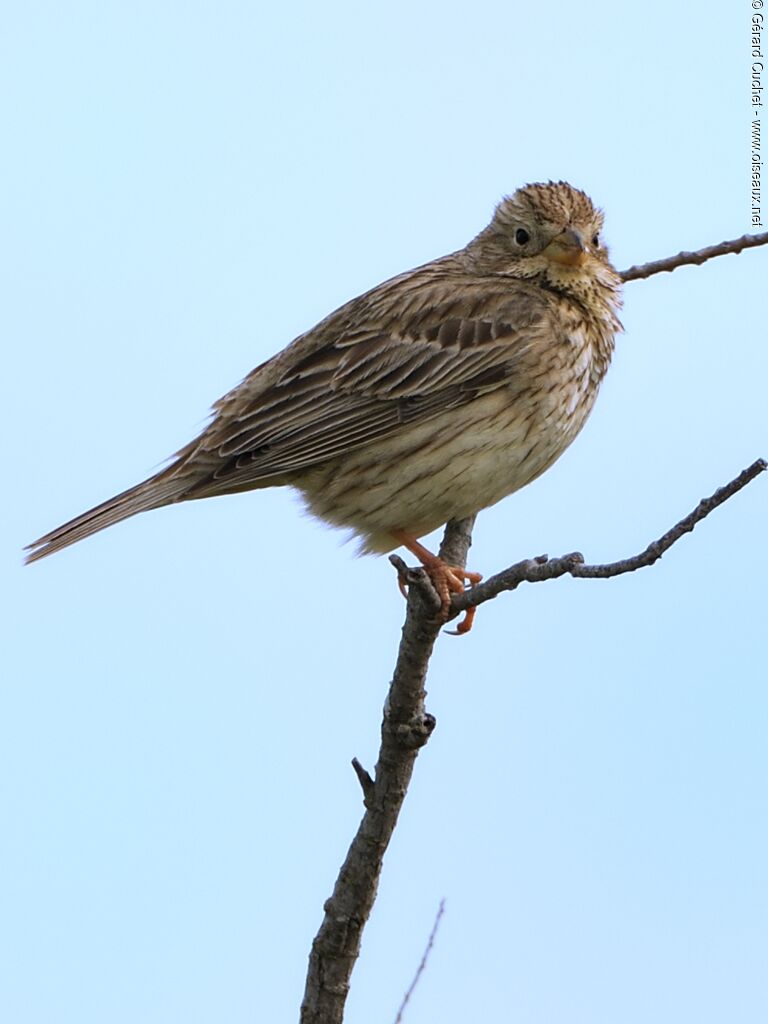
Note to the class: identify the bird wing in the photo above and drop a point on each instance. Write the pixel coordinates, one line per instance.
(410, 350)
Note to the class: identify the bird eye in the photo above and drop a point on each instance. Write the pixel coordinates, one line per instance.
(522, 236)
(596, 241)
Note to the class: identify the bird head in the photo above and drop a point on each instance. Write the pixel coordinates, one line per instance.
(551, 232)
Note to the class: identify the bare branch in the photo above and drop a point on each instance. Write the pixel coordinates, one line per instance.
(683, 259)
(423, 964)
(407, 726)
(405, 729)
(457, 540)
(535, 570)
(656, 549)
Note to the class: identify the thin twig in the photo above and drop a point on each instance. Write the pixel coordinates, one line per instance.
(536, 570)
(656, 549)
(684, 259)
(423, 964)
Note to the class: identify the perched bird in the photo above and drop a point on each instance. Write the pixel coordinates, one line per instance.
(432, 396)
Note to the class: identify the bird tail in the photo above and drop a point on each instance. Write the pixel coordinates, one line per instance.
(152, 493)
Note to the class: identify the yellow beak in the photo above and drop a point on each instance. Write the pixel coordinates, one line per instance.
(567, 248)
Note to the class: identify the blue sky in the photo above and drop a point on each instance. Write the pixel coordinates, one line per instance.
(189, 186)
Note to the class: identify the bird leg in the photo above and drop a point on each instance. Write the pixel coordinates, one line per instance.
(446, 579)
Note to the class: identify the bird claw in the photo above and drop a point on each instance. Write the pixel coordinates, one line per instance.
(451, 579)
(465, 625)
(447, 580)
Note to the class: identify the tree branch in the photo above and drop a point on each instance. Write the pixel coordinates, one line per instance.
(405, 729)
(407, 726)
(536, 570)
(684, 259)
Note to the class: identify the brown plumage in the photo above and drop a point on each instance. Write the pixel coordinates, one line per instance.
(427, 398)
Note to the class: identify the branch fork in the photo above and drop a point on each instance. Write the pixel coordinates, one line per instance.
(407, 726)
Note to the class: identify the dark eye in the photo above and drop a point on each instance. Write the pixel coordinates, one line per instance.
(522, 236)
(596, 241)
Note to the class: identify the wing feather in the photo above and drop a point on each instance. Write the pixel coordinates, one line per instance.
(396, 356)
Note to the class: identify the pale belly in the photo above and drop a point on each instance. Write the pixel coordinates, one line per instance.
(452, 465)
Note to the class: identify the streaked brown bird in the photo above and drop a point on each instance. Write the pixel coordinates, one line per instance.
(428, 398)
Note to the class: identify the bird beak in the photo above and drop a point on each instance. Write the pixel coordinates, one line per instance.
(567, 248)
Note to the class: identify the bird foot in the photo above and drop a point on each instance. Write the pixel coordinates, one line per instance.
(446, 579)
(450, 579)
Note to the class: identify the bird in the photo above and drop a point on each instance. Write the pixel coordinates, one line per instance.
(427, 398)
